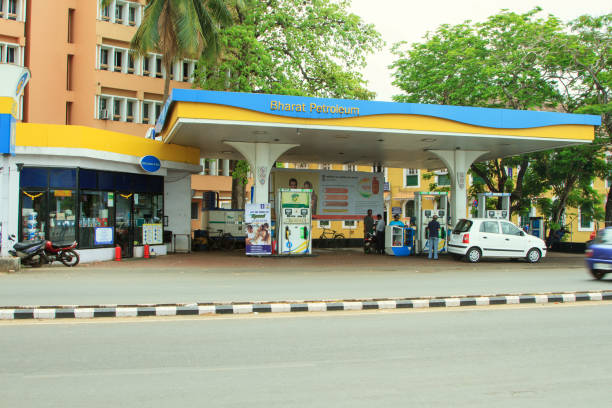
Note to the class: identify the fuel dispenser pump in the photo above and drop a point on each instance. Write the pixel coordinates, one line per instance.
(294, 221)
(424, 216)
(536, 226)
(503, 214)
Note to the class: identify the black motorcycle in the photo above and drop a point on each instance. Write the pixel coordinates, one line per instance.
(369, 243)
(31, 253)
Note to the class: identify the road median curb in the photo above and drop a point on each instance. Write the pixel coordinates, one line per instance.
(182, 309)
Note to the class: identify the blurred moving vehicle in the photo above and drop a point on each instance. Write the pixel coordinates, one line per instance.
(476, 238)
(599, 254)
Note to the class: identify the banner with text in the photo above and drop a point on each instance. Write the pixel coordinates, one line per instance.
(336, 194)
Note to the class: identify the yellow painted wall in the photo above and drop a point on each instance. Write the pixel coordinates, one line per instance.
(41, 135)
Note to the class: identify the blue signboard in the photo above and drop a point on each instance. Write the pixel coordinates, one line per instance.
(325, 108)
(150, 164)
(7, 133)
(104, 236)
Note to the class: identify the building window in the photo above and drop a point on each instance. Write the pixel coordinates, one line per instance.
(68, 113)
(104, 58)
(157, 111)
(119, 13)
(131, 63)
(194, 211)
(50, 198)
(145, 113)
(145, 66)
(349, 224)
(105, 14)
(442, 178)
(11, 55)
(117, 109)
(132, 16)
(129, 111)
(324, 223)
(412, 178)
(158, 67)
(69, 73)
(12, 10)
(118, 60)
(586, 219)
(103, 112)
(186, 72)
(70, 25)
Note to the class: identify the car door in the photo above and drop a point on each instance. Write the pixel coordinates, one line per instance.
(489, 238)
(515, 241)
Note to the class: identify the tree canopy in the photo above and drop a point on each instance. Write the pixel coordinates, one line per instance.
(179, 29)
(294, 47)
(520, 61)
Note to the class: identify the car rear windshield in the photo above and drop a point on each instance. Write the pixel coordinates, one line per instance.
(604, 237)
(462, 226)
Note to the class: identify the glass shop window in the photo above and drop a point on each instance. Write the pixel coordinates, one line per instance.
(33, 214)
(62, 215)
(148, 209)
(97, 219)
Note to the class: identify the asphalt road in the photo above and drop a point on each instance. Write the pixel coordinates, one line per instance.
(534, 356)
(219, 278)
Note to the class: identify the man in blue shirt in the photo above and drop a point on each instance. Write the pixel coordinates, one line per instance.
(396, 221)
(433, 231)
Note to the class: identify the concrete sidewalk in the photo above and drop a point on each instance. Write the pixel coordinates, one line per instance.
(205, 277)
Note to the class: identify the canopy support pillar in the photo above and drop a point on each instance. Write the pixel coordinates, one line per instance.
(458, 163)
(261, 157)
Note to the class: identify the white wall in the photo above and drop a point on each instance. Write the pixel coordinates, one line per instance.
(108, 254)
(177, 207)
(9, 201)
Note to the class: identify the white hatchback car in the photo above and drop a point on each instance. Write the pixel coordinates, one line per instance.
(475, 238)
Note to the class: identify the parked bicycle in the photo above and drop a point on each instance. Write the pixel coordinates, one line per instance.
(221, 240)
(330, 234)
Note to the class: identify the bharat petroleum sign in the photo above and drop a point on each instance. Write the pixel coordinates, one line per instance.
(313, 108)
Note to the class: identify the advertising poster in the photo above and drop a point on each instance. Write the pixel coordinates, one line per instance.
(152, 234)
(258, 239)
(336, 194)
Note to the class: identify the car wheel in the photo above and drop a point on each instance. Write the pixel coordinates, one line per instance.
(533, 255)
(597, 274)
(473, 255)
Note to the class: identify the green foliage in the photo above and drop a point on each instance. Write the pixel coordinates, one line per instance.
(180, 29)
(241, 172)
(291, 47)
(294, 47)
(520, 61)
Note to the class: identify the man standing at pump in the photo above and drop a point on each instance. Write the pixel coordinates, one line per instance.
(368, 223)
(433, 230)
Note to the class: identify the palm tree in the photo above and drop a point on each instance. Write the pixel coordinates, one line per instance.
(180, 29)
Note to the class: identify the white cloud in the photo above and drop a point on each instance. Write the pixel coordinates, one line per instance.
(404, 20)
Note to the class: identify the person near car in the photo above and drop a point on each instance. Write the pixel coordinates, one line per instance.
(380, 234)
(433, 231)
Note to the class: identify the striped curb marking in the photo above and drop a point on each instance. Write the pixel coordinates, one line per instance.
(88, 312)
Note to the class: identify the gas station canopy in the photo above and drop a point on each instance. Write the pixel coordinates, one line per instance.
(361, 132)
